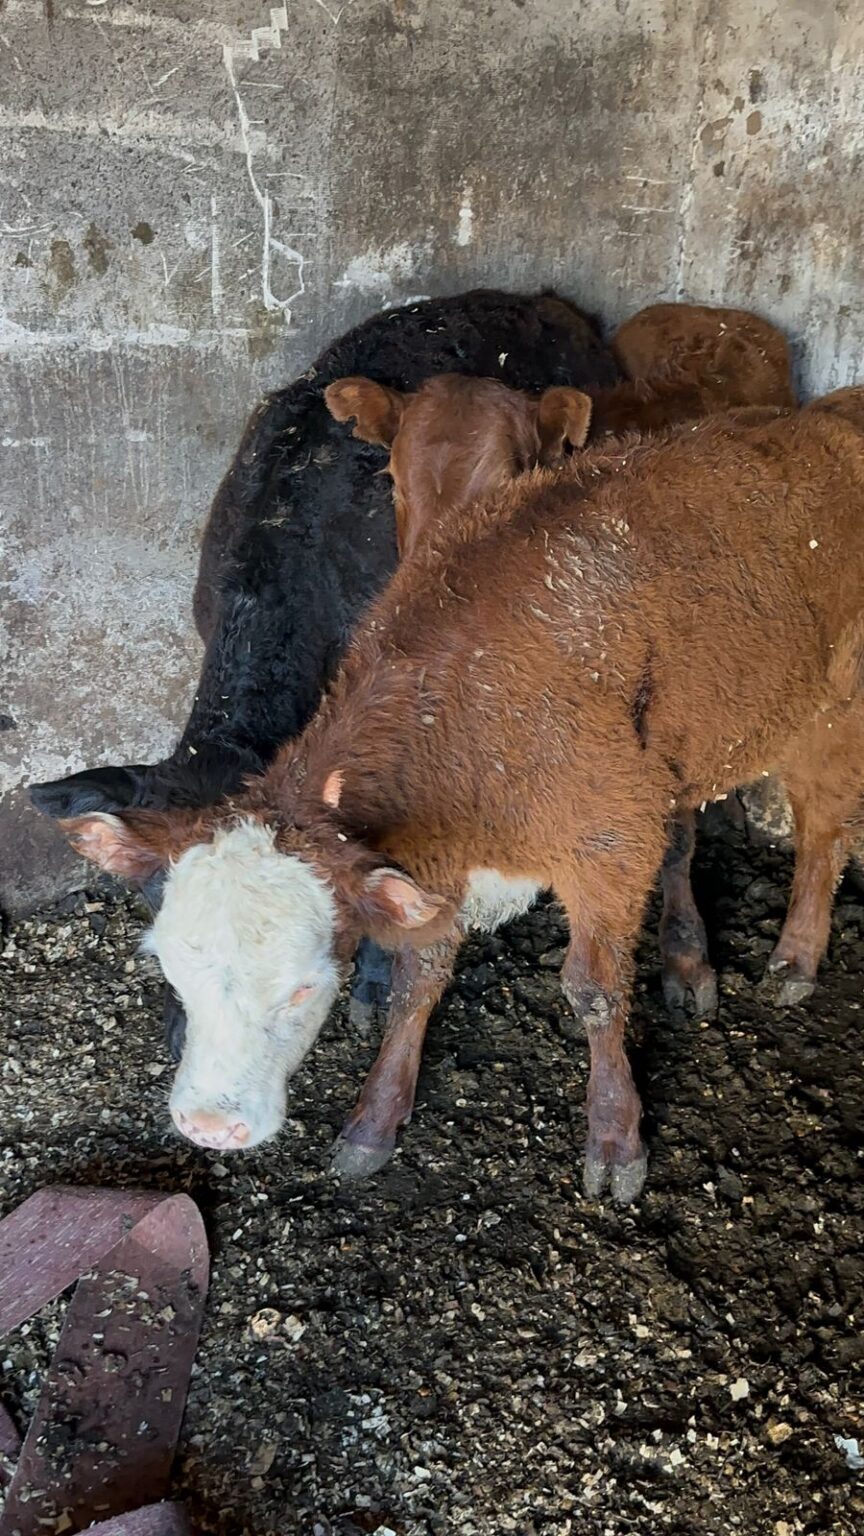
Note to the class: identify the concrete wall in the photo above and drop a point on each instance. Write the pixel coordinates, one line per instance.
(193, 198)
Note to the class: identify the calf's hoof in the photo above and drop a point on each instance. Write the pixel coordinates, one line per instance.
(368, 1007)
(786, 984)
(690, 986)
(360, 1160)
(362, 1015)
(624, 1181)
(370, 987)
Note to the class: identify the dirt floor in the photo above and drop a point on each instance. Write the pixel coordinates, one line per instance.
(466, 1344)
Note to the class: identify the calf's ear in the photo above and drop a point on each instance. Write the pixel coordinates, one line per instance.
(563, 416)
(391, 900)
(94, 789)
(376, 409)
(135, 845)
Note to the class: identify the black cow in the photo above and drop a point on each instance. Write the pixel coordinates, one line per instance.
(300, 537)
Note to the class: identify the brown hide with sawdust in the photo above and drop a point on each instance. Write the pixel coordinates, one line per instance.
(457, 439)
(648, 626)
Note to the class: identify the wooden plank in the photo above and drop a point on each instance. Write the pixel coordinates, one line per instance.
(104, 1435)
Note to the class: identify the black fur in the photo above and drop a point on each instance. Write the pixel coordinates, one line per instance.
(301, 537)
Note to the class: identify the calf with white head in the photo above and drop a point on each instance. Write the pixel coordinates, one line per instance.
(255, 934)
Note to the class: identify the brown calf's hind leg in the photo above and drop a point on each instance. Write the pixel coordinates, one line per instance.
(368, 1137)
(824, 777)
(596, 980)
(689, 983)
(821, 850)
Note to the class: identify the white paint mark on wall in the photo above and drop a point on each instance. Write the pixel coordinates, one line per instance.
(411, 298)
(215, 281)
(335, 16)
(688, 181)
(378, 268)
(465, 227)
(168, 275)
(196, 233)
(20, 338)
(270, 37)
(146, 130)
(263, 37)
(641, 208)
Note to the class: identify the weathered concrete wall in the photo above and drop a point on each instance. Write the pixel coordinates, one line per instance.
(193, 198)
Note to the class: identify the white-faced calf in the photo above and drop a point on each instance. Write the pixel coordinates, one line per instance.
(523, 708)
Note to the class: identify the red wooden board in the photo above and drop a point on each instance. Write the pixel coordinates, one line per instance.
(105, 1431)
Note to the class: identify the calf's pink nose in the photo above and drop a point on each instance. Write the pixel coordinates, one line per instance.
(207, 1128)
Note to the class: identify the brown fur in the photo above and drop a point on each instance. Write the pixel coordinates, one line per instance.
(457, 440)
(748, 356)
(547, 680)
(609, 536)
(732, 615)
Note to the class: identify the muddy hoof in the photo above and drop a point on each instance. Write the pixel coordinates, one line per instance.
(354, 1160)
(691, 990)
(785, 985)
(362, 1015)
(792, 990)
(368, 1008)
(623, 1180)
(370, 987)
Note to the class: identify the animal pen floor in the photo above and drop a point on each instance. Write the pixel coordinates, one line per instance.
(466, 1344)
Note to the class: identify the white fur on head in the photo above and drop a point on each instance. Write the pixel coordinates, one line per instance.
(245, 937)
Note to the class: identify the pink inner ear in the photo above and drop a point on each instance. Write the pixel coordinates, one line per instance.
(109, 842)
(98, 837)
(404, 901)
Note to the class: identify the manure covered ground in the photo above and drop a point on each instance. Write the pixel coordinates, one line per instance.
(466, 1344)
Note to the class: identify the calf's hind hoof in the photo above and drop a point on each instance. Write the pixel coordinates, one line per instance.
(624, 1181)
(370, 988)
(690, 986)
(785, 984)
(358, 1160)
(362, 1015)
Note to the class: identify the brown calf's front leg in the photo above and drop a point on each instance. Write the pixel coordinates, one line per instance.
(368, 1137)
(689, 983)
(595, 978)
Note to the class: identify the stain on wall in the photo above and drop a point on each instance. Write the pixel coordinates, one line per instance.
(196, 199)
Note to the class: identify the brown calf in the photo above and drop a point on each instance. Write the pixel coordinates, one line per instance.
(525, 706)
(459, 440)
